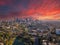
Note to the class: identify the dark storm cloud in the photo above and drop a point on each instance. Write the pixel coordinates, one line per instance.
(23, 3)
(4, 10)
(10, 6)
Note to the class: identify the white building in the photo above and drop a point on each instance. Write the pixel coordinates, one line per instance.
(58, 31)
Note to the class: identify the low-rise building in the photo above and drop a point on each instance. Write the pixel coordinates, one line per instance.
(1, 43)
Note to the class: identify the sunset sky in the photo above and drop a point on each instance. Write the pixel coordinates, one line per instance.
(38, 9)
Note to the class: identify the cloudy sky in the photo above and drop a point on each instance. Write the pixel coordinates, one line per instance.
(38, 9)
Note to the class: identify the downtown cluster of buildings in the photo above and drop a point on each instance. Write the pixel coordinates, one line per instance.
(32, 27)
